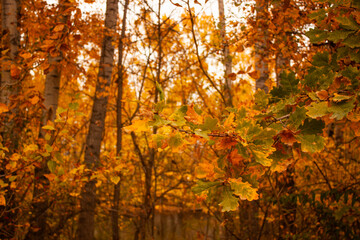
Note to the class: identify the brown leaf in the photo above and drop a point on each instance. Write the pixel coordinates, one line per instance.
(322, 95)
(232, 76)
(287, 137)
(255, 74)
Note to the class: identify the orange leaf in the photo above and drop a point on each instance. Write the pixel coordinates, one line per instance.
(235, 158)
(225, 143)
(34, 100)
(192, 116)
(26, 55)
(3, 108)
(59, 28)
(50, 176)
(15, 72)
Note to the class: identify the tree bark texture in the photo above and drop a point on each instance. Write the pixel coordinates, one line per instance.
(40, 203)
(226, 54)
(261, 58)
(120, 80)
(11, 41)
(86, 224)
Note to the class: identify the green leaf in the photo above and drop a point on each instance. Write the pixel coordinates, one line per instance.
(352, 73)
(352, 41)
(203, 186)
(203, 134)
(318, 15)
(288, 85)
(261, 99)
(320, 59)
(175, 140)
(312, 126)
(310, 143)
(340, 110)
(348, 23)
(159, 121)
(161, 92)
(338, 35)
(158, 138)
(73, 106)
(61, 110)
(178, 116)
(316, 35)
(243, 189)
(209, 124)
(261, 155)
(48, 148)
(297, 117)
(317, 109)
(51, 165)
(229, 202)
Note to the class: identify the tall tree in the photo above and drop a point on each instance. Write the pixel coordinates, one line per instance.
(11, 42)
(261, 58)
(86, 223)
(120, 91)
(227, 59)
(39, 229)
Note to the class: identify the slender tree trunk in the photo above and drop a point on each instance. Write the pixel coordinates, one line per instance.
(11, 38)
(86, 225)
(226, 54)
(9, 86)
(40, 205)
(120, 80)
(261, 58)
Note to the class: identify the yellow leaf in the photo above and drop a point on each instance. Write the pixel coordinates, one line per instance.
(2, 200)
(115, 179)
(3, 108)
(229, 120)
(137, 126)
(31, 147)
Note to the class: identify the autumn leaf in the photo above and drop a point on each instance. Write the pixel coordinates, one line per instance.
(204, 170)
(115, 179)
(232, 76)
(34, 100)
(243, 189)
(137, 126)
(15, 71)
(287, 137)
(59, 28)
(254, 74)
(322, 95)
(3, 108)
(229, 202)
(193, 116)
(229, 121)
(2, 200)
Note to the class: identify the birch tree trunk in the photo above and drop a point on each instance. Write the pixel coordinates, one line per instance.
(120, 80)
(40, 203)
(261, 58)
(86, 223)
(226, 54)
(11, 38)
